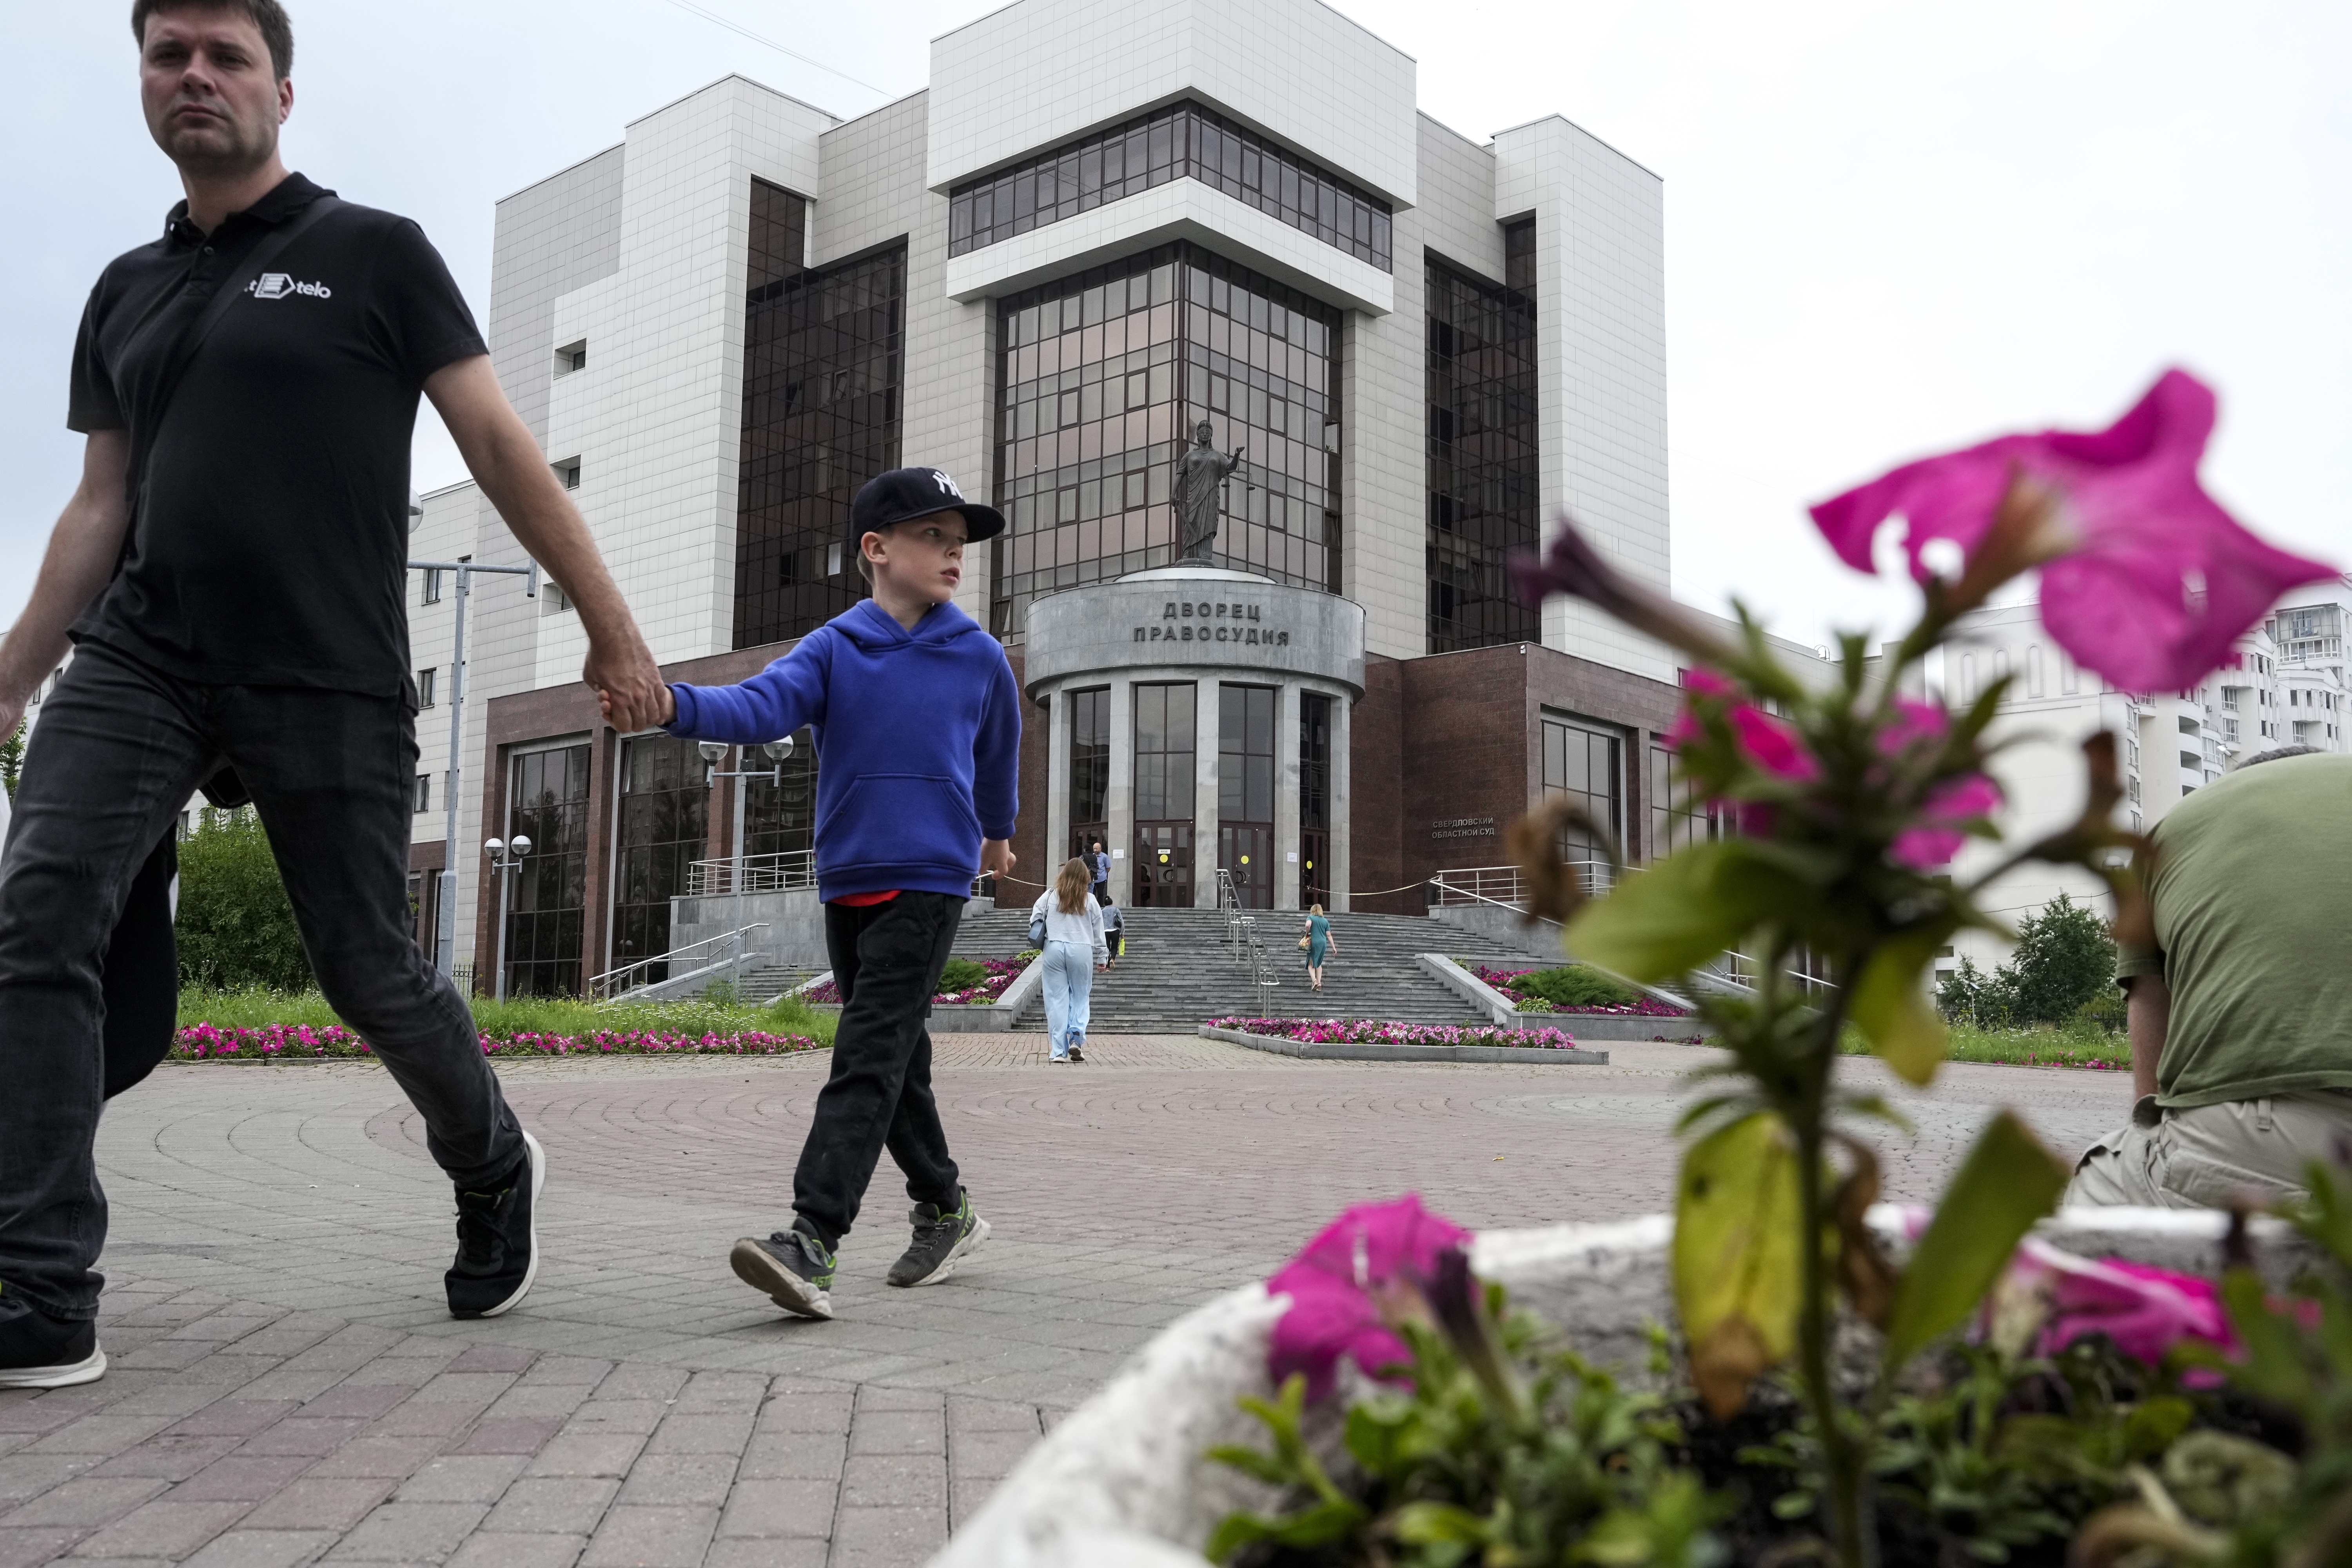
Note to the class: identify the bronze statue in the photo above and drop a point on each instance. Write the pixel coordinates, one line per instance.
(1200, 472)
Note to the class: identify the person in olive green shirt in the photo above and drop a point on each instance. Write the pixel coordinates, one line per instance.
(2240, 1014)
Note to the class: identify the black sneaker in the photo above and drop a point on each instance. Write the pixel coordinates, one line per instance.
(497, 1240)
(37, 1351)
(939, 1240)
(791, 1267)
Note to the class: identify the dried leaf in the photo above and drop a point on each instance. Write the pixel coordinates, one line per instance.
(1726, 1363)
(1571, 565)
(1554, 890)
(1864, 1272)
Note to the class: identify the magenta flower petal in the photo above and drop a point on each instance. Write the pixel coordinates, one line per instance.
(1939, 835)
(1914, 721)
(2160, 580)
(1773, 745)
(1333, 1285)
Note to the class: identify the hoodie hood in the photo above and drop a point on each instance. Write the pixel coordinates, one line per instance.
(874, 630)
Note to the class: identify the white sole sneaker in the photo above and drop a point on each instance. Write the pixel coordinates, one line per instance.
(537, 1180)
(89, 1369)
(757, 1268)
(957, 1254)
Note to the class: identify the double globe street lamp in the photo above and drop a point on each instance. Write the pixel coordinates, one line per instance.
(505, 858)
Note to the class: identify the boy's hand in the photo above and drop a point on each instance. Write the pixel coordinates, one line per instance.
(996, 857)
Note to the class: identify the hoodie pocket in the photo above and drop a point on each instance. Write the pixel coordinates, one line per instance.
(900, 819)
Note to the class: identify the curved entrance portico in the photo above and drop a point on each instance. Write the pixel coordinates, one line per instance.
(1200, 719)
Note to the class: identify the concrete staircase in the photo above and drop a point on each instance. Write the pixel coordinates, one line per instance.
(1180, 970)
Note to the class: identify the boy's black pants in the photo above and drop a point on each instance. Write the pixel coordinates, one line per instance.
(887, 960)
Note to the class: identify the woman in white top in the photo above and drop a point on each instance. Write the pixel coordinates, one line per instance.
(1074, 949)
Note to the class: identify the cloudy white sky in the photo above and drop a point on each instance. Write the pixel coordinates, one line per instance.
(1889, 226)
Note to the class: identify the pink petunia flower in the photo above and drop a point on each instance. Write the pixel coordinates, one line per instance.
(1336, 1282)
(2145, 1311)
(2149, 581)
(1914, 722)
(1940, 834)
(1773, 745)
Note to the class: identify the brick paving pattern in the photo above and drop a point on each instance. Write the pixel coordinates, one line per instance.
(288, 1387)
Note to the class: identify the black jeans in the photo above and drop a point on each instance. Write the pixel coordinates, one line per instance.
(887, 960)
(118, 751)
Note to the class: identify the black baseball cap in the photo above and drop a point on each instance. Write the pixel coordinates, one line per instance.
(906, 493)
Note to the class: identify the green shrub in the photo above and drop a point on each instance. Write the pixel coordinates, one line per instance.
(236, 929)
(2064, 958)
(962, 975)
(254, 1007)
(12, 760)
(1576, 986)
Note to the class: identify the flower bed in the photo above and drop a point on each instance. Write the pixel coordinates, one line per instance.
(1001, 973)
(1504, 980)
(1373, 1032)
(281, 1042)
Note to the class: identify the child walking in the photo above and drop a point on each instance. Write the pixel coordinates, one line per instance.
(1074, 949)
(917, 722)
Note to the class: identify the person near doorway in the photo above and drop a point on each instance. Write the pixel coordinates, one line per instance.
(2239, 1017)
(1114, 933)
(918, 773)
(229, 573)
(1074, 949)
(1319, 945)
(1099, 871)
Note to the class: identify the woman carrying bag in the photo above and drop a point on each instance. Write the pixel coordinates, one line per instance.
(1318, 945)
(1067, 923)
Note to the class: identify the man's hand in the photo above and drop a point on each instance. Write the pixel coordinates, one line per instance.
(629, 686)
(664, 708)
(996, 857)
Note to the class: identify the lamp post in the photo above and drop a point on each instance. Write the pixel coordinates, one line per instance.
(715, 752)
(504, 859)
(444, 957)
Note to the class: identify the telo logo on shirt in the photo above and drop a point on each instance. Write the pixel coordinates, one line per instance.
(279, 285)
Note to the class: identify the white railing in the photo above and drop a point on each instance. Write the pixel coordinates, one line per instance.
(1508, 885)
(751, 874)
(711, 952)
(1240, 929)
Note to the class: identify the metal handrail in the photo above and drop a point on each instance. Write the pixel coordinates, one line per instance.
(738, 874)
(1508, 885)
(614, 983)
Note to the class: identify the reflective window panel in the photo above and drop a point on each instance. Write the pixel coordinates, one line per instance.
(1485, 456)
(1586, 763)
(823, 357)
(1245, 792)
(1089, 766)
(664, 829)
(1314, 799)
(780, 815)
(547, 802)
(1103, 376)
(1183, 141)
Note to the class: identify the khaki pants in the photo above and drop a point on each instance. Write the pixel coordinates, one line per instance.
(2211, 1155)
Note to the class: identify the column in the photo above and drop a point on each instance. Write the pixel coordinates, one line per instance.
(1057, 788)
(1207, 719)
(1286, 712)
(1342, 831)
(1120, 803)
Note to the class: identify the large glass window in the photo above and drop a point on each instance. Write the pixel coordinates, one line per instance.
(1485, 455)
(1182, 141)
(664, 830)
(1677, 817)
(780, 815)
(1314, 799)
(547, 802)
(1245, 792)
(1104, 376)
(1586, 763)
(1089, 766)
(822, 358)
(1164, 768)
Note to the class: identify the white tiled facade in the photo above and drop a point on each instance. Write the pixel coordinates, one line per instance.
(638, 256)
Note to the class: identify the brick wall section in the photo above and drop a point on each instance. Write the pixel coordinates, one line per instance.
(1375, 784)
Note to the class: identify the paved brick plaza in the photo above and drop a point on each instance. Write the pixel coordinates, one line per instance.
(288, 1385)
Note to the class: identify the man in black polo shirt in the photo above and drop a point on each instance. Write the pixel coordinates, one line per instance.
(231, 574)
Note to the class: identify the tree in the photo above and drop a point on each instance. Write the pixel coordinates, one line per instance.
(2064, 958)
(235, 927)
(12, 760)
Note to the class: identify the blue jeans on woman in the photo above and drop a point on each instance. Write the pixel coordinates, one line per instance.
(1069, 988)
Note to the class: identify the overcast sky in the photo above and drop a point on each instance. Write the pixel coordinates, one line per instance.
(1889, 228)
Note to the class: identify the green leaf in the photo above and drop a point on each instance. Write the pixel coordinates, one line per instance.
(1435, 1523)
(1249, 1461)
(1234, 1532)
(1738, 1231)
(1890, 1006)
(1320, 1525)
(2153, 1424)
(2008, 1182)
(1682, 911)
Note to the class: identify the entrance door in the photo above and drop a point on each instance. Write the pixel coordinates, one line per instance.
(1163, 864)
(1314, 877)
(1243, 853)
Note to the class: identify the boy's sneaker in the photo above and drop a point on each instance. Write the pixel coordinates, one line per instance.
(940, 1238)
(497, 1240)
(37, 1351)
(792, 1267)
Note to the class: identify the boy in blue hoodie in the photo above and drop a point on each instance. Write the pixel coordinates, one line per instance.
(917, 724)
